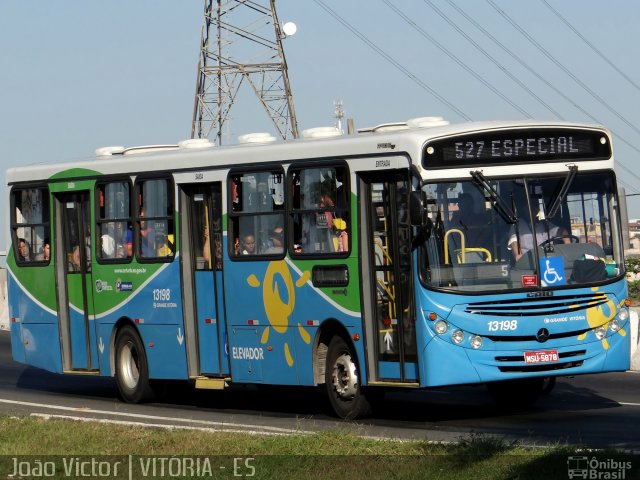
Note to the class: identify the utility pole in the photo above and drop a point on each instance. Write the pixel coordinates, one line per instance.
(241, 44)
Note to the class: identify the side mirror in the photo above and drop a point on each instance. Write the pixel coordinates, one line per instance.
(417, 200)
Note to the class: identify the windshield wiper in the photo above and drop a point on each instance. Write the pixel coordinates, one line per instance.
(504, 210)
(559, 198)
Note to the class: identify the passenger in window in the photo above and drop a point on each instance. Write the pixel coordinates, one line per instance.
(125, 248)
(24, 251)
(249, 244)
(108, 245)
(147, 237)
(46, 252)
(341, 237)
(73, 260)
(167, 247)
(327, 194)
(336, 224)
(276, 240)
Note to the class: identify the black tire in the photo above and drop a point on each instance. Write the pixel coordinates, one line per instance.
(132, 371)
(343, 382)
(516, 394)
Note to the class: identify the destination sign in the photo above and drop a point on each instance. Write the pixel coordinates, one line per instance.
(531, 145)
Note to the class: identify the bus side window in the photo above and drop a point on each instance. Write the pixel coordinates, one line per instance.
(155, 223)
(320, 211)
(30, 226)
(114, 227)
(256, 217)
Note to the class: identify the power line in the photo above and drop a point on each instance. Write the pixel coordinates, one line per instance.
(620, 164)
(545, 81)
(391, 60)
(546, 53)
(396, 64)
(531, 70)
(626, 185)
(591, 45)
(519, 60)
(492, 59)
(456, 59)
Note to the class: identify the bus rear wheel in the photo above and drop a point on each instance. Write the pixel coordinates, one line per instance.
(132, 371)
(343, 382)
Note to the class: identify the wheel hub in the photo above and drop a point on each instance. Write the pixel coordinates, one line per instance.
(345, 377)
(129, 366)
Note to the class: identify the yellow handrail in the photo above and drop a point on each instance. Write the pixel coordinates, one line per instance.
(476, 249)
(446, 244)
(462, 251)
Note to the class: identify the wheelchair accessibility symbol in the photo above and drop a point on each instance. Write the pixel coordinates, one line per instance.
(552, 271)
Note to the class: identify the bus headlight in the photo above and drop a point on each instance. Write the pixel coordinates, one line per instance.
(440, 327)
(614, 325)
(600, 332)
(623, 315)
(476, 341)
(457, 337)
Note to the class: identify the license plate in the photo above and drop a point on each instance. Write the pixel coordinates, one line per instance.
(544, 356)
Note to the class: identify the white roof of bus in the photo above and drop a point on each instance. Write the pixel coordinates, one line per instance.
(389, 138)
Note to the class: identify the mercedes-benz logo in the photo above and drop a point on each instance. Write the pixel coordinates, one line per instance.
(542, 335)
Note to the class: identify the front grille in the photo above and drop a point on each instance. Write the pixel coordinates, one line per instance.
(532, 338)
(522, 307)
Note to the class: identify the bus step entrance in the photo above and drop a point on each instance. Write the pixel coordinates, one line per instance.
(207, 383)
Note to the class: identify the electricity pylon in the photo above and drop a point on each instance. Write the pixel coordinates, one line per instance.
(241, 43)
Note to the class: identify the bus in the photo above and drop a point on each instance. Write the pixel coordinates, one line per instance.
(400, 257)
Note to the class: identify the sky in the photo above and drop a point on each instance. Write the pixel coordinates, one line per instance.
(76, 75)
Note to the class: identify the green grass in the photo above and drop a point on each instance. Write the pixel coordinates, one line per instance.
(334, 454)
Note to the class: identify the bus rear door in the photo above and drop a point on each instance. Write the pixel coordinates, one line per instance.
(205, 325)
(74, 282)
(387, 281)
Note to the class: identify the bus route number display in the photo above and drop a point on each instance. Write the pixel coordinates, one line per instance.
(522, 146)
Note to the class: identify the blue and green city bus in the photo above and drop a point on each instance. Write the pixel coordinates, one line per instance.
(398, 257)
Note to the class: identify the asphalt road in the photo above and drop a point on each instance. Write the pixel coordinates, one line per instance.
(595, 411)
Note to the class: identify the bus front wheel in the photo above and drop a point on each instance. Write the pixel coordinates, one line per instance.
(132, 371)
(343, 382)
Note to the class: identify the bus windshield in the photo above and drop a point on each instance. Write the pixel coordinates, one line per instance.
(481, 237)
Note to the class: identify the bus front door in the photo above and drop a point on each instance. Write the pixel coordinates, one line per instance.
(387, 281)
(205, 326)
(74, 283)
